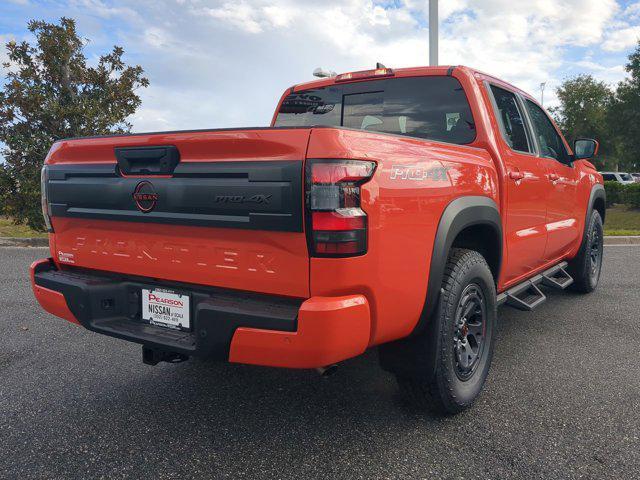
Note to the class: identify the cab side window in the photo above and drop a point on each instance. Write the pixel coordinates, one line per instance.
(511, 120)
(551, 144)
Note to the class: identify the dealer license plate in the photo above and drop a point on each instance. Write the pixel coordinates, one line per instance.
(166, 308)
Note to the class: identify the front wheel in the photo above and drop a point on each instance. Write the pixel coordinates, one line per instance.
(464, 324)
(586, 266)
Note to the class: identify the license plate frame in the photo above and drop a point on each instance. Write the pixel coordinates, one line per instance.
(166, 308)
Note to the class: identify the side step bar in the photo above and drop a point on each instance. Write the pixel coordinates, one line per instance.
(557, 277)
(527, 295)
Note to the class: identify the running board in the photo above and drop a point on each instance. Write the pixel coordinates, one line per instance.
(527, 295)
(557, 277)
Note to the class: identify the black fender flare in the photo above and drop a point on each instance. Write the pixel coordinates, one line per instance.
(461, 213)
(597, 192)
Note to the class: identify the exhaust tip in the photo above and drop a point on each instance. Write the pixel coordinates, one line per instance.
(327, 371)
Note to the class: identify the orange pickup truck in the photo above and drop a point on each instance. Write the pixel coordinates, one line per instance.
(390, 208)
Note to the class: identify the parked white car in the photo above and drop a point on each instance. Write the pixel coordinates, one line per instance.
(619, 177)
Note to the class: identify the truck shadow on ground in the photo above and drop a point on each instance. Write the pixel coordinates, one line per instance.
(241, 397)
(246, 400)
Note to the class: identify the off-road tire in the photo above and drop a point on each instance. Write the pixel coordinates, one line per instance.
(586, 267)
(444, 390)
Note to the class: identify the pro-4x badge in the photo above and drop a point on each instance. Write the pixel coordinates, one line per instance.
(416, 172)
(260, 199)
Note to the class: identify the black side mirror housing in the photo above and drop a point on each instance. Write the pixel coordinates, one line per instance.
(584, 148)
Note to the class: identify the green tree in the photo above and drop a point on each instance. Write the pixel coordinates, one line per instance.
(583, 112)
(624, 116)
(51, 93)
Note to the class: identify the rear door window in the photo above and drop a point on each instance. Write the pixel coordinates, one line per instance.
(434, 108)
(549, 140)
(511, 120)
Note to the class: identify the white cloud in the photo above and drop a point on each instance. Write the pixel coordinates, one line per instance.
(155, 37)
(632, 12)
(608, 74)
(278, 16)
(522, 41)
(239, 15)
(101, 9)
(622, 39)
(378, 16)
(216, 63)
(624, 32)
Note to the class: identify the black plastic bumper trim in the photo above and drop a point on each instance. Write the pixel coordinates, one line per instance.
(111, 304)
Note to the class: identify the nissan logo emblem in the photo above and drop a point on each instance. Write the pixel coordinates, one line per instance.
(145, 196)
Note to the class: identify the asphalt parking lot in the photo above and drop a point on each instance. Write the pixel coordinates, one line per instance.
(562, 401)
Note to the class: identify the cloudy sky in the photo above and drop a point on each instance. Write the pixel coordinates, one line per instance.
(219, 63)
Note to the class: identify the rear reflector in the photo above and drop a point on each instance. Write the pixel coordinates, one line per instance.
(337, 226)
(334, 249)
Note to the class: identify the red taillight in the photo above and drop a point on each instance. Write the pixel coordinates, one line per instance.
(44, 201)
(352, 219)
(341, 172)
(378, 72)
(337, 226)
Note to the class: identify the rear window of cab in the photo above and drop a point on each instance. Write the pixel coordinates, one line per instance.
(433, 108)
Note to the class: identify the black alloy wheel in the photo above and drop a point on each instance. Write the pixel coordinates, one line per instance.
(595, 254)
(468, 338)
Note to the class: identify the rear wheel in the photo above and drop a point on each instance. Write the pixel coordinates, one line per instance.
(586, 266)
(450, 371)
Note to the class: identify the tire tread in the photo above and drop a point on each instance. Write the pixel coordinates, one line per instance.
(438, 394)
(579, 267)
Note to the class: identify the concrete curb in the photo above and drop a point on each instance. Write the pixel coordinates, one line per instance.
(44, 242)
(622, 240)
(23, 242)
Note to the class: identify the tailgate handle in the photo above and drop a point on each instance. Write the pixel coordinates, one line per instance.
(160, 160)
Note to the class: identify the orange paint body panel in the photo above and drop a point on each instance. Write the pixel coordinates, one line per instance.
(268, 262)
(543, 219)
(329, 330)
(194, 146)
(51, 301)
(403, 216)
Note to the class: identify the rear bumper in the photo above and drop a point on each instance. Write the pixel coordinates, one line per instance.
(227, 325)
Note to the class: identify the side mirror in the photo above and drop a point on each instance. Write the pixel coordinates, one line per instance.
(584, 148)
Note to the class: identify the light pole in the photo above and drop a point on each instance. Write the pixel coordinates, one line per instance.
(433, 33)
(542, 85)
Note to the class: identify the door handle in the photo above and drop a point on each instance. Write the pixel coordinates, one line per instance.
(553, 177)
(516, 175)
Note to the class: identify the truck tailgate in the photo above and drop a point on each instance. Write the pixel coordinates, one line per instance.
(230, 214)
